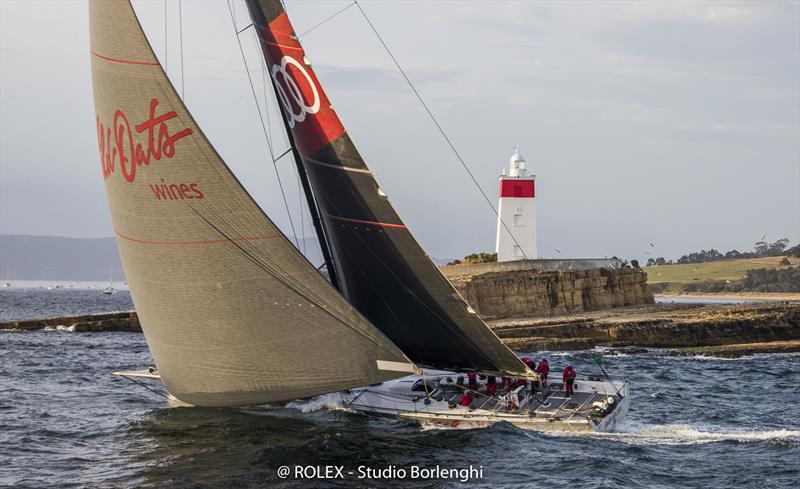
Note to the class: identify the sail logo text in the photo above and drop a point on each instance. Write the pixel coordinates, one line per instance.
(119, 149)
(294, 94)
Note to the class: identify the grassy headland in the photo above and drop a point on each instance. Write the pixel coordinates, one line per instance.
(776, 277)
(713, 270)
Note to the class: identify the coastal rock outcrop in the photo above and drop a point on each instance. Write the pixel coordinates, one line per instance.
(111, 321)
(660, 326)
(537, 292)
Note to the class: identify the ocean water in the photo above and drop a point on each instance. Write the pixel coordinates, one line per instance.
(694, 422)
(35, 299)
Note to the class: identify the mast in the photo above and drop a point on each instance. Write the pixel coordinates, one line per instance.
(257, 16)
(312, 203)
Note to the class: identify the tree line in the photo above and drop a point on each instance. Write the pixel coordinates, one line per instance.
(761, 249)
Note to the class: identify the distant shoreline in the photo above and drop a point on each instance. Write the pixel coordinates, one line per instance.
(745, 296)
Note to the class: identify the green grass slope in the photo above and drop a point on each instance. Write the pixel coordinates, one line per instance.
(715, 270)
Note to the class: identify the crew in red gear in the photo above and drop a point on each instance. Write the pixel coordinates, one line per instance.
(491, 385)
(569, 378)
(505, 384)
(543, 369)
(531, 365)
(466, 399)
(473, 381)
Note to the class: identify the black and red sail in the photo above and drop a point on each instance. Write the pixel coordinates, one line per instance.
(381, 269)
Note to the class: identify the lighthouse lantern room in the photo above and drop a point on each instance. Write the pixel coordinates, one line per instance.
(517, 212)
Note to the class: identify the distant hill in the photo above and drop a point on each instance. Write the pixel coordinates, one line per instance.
(57, 258)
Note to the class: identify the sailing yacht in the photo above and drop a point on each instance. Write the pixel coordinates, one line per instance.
(110, 287)
(385, 317)
(7, 283)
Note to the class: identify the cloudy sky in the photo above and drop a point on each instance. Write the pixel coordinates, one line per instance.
(672, 123)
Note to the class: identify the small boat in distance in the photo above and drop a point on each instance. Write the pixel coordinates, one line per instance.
(110, 288)
(7, 283)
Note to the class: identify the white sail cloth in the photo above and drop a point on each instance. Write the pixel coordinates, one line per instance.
(232, 312)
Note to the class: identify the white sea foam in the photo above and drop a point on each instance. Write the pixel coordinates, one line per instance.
(683, 434)
(326, 401)
(60, 327)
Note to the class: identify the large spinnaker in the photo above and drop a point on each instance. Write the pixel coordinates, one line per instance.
(232, 312)
(381, 268)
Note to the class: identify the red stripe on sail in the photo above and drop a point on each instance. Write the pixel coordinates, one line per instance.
(116, 60)
(371, 223)
(211, 241)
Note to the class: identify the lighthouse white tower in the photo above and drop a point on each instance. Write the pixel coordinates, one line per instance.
(517, 212)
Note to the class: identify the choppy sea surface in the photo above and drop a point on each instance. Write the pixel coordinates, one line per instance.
(66, 422)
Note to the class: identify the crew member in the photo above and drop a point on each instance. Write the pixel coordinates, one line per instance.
(543, 369)
(569, 379)
(473, 381)
(531, 365)
(491, 385)
(466, 399)
(505, 384)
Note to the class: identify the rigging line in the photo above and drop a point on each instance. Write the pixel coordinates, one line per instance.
(145, 386)
(180, 30)
(263, 126)
(327, 19)
(166, 58)
(263, 64)
(264, 76)
(284, 154)
(439, 127)
(300, 210)
(244, 29)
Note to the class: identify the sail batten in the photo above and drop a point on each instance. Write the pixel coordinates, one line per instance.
(232, 313)
(381, 268)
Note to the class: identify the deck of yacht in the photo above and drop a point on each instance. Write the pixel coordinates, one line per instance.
(408, 395)
(552, 402)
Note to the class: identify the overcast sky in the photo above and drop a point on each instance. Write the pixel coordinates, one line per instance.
(672, 123)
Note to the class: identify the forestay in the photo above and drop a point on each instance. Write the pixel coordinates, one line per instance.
(232, 312)
(380, 267)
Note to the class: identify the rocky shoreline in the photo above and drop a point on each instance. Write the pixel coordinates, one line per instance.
(676, 326)
(110, 321)
(720, 330)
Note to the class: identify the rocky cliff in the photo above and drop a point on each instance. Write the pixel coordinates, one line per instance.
(536, 292)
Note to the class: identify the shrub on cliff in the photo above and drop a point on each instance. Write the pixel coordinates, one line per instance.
(481, 258)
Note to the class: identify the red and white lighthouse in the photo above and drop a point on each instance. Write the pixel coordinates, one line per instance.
(517, 212)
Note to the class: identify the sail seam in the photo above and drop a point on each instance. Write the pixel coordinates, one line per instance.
(371, 223)
(210, 241)
(338, 167)
(126, 61)
(279, 45)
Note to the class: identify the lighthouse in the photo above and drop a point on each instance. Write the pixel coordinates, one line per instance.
(517, 212)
